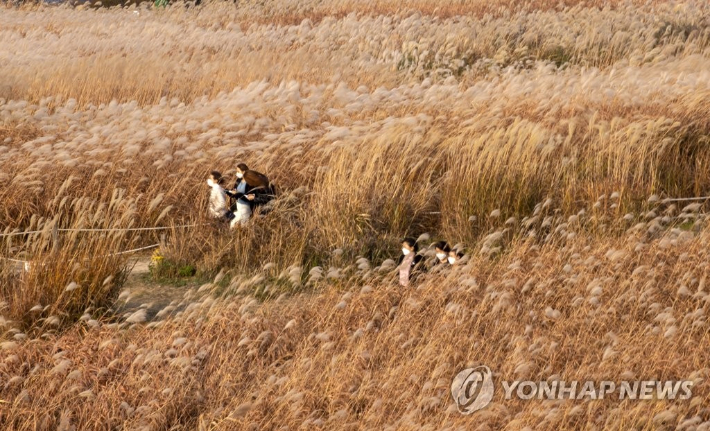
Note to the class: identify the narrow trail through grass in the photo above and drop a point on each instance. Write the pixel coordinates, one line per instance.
(140, 291)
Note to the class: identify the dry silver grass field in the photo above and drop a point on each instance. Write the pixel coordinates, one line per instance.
(543, 136)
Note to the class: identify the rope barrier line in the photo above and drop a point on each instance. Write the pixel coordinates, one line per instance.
(14, 260)
(26, 263)
(133, 229)
(20, 233)
(134, 250)
(701, 198)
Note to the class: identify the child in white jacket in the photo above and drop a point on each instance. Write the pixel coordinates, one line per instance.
(218, 198)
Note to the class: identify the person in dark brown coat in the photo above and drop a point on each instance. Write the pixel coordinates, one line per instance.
(251, 189)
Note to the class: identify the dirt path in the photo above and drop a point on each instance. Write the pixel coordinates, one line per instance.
(140, 292)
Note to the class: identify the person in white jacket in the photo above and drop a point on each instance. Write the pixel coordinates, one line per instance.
(218, 198)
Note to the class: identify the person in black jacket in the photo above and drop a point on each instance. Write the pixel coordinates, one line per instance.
(251, 189)
(409, 260)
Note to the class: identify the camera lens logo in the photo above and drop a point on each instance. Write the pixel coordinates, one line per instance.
(472, 389)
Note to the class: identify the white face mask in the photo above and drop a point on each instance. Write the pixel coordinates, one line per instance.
(405, 251)
(441, 256)
(452, 260)
(240, 175)
(210, 182)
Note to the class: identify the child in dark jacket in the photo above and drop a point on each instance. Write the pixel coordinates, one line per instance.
(442, 250)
